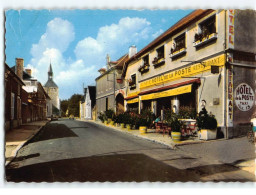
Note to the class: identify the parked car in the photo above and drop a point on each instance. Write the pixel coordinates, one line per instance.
(54, 117)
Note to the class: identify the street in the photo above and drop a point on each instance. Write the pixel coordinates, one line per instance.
(69, 150)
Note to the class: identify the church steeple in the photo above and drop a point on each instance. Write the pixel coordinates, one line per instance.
(50, 73)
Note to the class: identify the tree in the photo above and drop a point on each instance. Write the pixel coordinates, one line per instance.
(73, 105)
(64, 107)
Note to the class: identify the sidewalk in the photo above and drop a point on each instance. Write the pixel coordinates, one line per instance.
(16, 138)
(236, 151)
(155, 137)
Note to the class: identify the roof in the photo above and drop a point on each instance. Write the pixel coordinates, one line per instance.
(50, 68)
(50, 83)
(13, 72)
(180, 25)
(119, 65)
(25, 76)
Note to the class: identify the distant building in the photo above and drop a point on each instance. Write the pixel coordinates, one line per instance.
(110, 91)
(12, 95)
(88, 103)
(24, 95)
(53, 92)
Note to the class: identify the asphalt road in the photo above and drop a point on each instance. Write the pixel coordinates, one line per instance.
(69, 151)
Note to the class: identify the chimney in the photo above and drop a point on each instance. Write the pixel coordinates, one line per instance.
(102, 70)
(19, 67)
(108, 61)
(29, 71)
(132, 51)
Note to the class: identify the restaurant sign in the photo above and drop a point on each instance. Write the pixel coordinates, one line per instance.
(244, 97)
(184, 72)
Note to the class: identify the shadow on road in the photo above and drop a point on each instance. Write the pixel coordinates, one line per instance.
(52, 131)
(112, 168)
(20, 158)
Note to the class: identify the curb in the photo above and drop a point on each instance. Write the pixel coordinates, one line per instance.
(15, 151)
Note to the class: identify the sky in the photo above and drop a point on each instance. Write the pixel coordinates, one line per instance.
(76, 42)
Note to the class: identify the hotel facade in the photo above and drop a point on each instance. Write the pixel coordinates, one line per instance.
(205, 59)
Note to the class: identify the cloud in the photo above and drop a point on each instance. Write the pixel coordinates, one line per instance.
(157, 33)
(113, 38)
(59, 34)
(90, 53)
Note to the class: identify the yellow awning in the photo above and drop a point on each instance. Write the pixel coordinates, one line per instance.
(135, 100)
(167, 93)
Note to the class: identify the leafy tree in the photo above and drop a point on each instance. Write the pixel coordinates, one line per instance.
(64, 107)
(72, 104)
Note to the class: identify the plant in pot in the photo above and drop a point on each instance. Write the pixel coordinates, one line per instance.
(207, 125)
(101, 117)
(142, 123)
(120, 120)
(175, 125)
(110, 115)
(127, 120)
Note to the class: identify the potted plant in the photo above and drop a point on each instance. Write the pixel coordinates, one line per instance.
(109, 114)
(101, 117)
(142, 122)
(120, 120)
(127, 120)
(207, 125)
(175, 125)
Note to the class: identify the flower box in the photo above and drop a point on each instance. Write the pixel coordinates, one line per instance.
(205, 40)
(178, 53)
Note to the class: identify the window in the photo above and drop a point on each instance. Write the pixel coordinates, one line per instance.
(145, 65)
(179, 46)
(160, 52)
(132, 81)
(206, 31)
(106, 103)
(159, 59)
(19, 107)
(208, 26)
(12, 105)
(146, 60)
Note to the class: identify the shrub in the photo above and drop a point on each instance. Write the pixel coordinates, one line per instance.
(206, 121)
(110, 114)
(119, 118)
(102, 117)
(186, 112)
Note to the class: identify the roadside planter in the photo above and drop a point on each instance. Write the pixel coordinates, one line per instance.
(105, 122)
(122, 125)
(176, 136)
(207, 134)
(207, 125)
(128, 127)
(112, 123)
(143, 129)
(109, 120)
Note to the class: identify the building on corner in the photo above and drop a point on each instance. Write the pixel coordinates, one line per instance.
(208, 57)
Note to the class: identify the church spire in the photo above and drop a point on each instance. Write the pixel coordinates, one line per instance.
(50, 73)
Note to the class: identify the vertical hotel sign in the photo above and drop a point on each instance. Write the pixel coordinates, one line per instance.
(230, 93)
(230, 29)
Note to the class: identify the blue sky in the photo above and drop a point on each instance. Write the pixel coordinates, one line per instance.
(77, 41)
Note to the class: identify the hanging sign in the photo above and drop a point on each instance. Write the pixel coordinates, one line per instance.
(244, 97)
